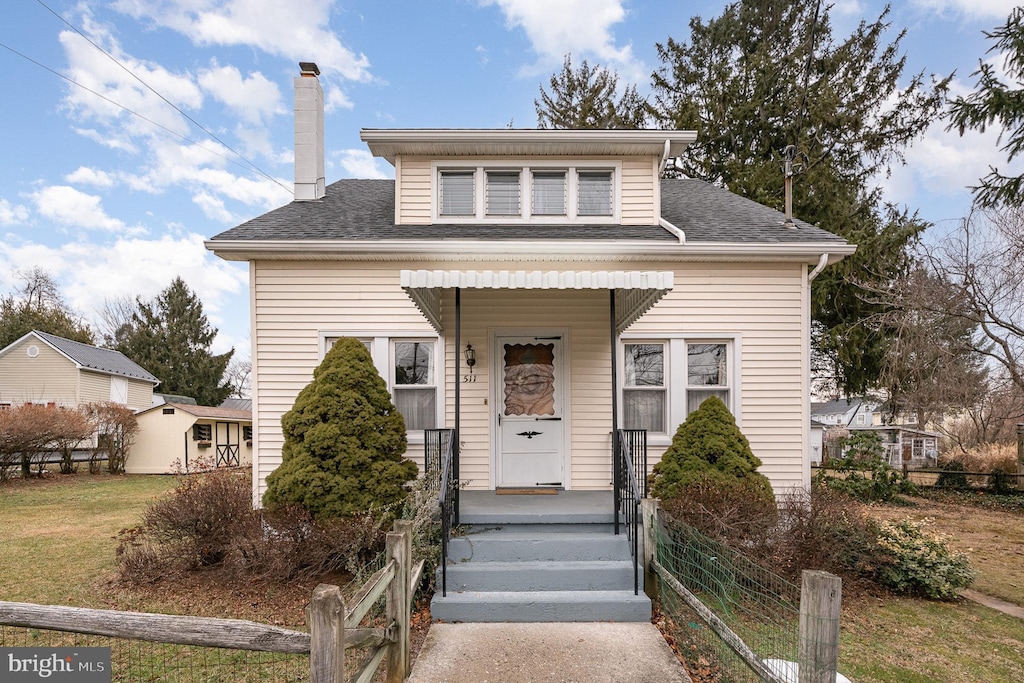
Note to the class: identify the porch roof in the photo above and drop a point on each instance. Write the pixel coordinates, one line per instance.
(636, 291)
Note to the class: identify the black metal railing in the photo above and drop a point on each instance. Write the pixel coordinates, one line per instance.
(438, 460)
(631, 487)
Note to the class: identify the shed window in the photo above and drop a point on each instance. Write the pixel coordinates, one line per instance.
(247, 432)
(202, 432)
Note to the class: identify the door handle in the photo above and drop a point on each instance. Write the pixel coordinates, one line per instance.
(547, 419)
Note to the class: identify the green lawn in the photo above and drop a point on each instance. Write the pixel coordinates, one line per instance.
(60, 535)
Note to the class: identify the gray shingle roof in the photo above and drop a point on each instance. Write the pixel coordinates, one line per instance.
(95, 358)
(364, 210)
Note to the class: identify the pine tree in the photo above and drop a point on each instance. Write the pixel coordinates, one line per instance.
(585, 98)
(766, 78)
(171, 338)
(344, 441)
(997, 103)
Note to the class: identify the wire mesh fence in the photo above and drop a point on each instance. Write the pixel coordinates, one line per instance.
(760, 607)
(138, 660)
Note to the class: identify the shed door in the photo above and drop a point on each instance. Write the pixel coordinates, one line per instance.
(530, 410)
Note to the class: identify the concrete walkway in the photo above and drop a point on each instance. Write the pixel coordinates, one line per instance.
(995, 603)
(546, 653)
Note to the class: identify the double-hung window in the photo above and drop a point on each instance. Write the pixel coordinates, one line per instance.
(414, 383)
(645, 400)
(707, 374)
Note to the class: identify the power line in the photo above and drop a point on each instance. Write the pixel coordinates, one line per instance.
(250, 165)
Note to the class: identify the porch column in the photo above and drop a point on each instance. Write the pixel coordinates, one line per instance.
(458, 397)
(616, 474)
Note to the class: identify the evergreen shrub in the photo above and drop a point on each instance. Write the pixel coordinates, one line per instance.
(709, 451)
(344, 441)
(921, 563)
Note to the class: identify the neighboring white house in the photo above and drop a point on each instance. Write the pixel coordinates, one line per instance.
(178, 437)
(45, 369)
(591, 293)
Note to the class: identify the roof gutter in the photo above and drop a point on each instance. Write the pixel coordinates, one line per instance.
(244, 250)
(822, 262)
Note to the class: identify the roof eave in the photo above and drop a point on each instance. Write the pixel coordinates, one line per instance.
(248, 250)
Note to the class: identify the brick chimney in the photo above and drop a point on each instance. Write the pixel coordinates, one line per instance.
(309, 134)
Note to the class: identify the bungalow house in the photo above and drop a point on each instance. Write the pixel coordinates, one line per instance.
(534, 290)
(50, 370)
(180, 437)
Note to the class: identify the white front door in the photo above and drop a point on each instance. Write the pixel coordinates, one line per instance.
(530, 405)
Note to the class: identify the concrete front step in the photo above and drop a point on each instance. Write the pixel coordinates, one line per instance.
(510, 544)
(540, 606)
(596, 575)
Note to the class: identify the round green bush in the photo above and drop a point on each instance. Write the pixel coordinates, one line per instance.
(344, 441)
(920, 563)
(709, 449)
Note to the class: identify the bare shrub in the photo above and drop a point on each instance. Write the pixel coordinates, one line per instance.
(734, 513)
(208, 521)
(987, 457)
(116, 427)
(72, 427)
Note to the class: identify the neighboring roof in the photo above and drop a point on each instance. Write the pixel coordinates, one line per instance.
(208, 412)
(173, 398)
(89, 357)
(237, 403)
(838, 406)
(363, 210)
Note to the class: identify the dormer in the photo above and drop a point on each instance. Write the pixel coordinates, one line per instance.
(527, 176)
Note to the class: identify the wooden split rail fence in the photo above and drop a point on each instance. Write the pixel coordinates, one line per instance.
(333, 625)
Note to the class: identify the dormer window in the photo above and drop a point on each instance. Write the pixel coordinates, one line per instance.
(457, 189)
(502, 192)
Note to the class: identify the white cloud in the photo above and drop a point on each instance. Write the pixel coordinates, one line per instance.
(91, 273)
(996, 10)
(581, 27)
(286, 29)
(11, 214)
(359, 163)
(90, 176)
(254, 99)
(74, 208)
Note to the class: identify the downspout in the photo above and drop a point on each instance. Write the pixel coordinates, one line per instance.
(664, 157)
(822, 262)
(673, 229)
(186, 450)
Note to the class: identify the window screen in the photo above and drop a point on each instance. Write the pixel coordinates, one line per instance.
(549, 193)
(503, 193)
(457, 189)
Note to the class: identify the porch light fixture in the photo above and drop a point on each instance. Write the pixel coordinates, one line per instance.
(470, 357)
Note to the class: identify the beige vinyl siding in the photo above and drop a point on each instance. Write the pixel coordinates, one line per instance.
(49, 377)
(760, 308)
(639, 203)
(95, 387)
(140, 394)
(413, 183)
(764, 305)
(293, 304)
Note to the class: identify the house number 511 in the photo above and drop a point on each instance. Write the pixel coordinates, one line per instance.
(469, 379)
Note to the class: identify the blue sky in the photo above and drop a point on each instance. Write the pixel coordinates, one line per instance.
(113, 205)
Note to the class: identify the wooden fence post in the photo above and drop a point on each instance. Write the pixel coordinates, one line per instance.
(820, 599)
(1020, 452)
(326, 619)
(399, 549)
(649, 510)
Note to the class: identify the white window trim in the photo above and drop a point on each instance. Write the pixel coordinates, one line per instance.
(480, 168)
(381, 352)
(666, 380)
(675, 370)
